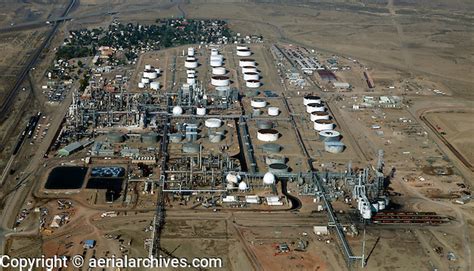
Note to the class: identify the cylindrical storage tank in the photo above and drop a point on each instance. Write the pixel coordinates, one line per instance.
(315, 107)
(220, 81)
(192, 72)
(217, 57)
(311, 99)
(252, 93)
(218, 71)
(190, 51)
(177, 110)
(242, 47)
(191, 81)
(247, 62)
(216, 63)
(175, 138)
(150, 74)
(247, 69)
(275, 160)
(251, 76)
(214, 52)
(329, 136)
(191, 64)
(150, 138)
(273, 111)
(334, 147)
(158, 71)
(271, 148)
(278, 168)
(223, 91)
(141, 85)
(145, 80)
(243, 186)
(115, 137)
(264, 124)
(381, 203)
(366, 212)
(213, 123)
(147, 67)
(200, 111)
(155, 85)
(252, 84)
(244, 53)
(258, 103)
(267, 135)
(256, 112)
(190, 58)
(321, 125)
(319, 115)
(216, 137)
(191, 148)
(269, 178)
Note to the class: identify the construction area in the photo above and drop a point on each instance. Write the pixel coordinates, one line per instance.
(193, 138)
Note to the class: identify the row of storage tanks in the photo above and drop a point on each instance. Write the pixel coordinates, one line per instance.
(323, 124)
(250, 72)
(191, 63)
(235, 182)
(150, 74)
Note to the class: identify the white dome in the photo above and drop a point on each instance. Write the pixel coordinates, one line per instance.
(243, 186)
(177, 110)
(268, 178)
(232, 178)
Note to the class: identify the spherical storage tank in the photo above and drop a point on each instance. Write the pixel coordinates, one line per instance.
(243, 186)
(311, 99)
(252, 83)
(273, 111)
(251, 76)
(247, 62)
(177, 110)
(269, 178)
(244, 52)
(150, 138)
(258, 103)
(232, 177)
(190, 63)
(213, 123)
(155, 85)
(319, 115)
(313, 107)
(220, 80)
(267, 135)
(218, 71)
(246, 69)
(321, 125)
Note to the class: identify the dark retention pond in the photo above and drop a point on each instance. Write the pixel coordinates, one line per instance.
(66, 178)
(112, 185)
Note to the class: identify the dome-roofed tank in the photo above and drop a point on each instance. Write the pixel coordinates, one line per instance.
(232, 177)
(243, 186)
(177, 110)
(269, 178)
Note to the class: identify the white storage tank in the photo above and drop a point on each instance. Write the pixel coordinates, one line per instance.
(269, 178)
(190, 51)
(177, 110)
(267, 135)
(243, 186)
(191, 81)
(319, 115)
(141, 85)
(244, 52)
(233, 177)
(200, 111)
(247, 62)
(218, 71)
(252, 83)
(155, 85)
(189, 71)
(148, 67)
(217, 57)
(258, 103)
(242, 47)
(145, 80)
(321, 125)
(216, 63)
(251, 76)
(313, 107)
(247, 69)
(220, 81)
(273, 111)
(191, 64)
(214, 52)
(213, 123)
(311, 99)
(150, 74)
(329, 135)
